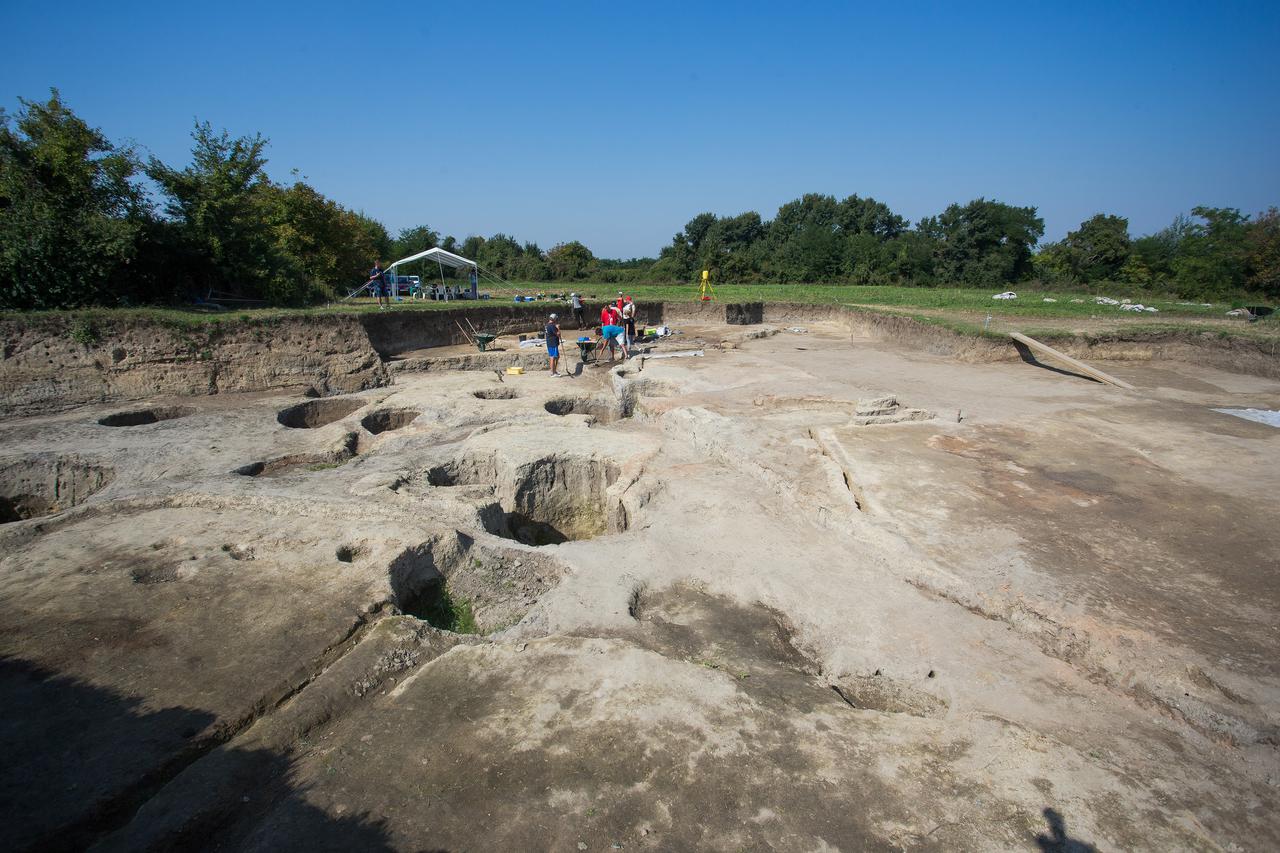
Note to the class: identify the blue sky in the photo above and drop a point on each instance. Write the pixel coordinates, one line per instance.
(615, 123)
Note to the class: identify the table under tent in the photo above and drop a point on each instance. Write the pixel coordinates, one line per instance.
(438, 288)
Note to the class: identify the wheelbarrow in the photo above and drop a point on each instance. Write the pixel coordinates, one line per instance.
(587, 351)
(483, 340)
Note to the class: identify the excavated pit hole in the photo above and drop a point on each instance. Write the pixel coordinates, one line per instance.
(32, 488)
(287, 464)
(601, 410)
(496, 394)
(318, 413)
(457, 585)
(548, 502)
(141, 417)
(350, 553)
(388, 420)
(281, 465)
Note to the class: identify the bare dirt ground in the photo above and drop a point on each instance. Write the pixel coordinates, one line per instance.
(732, 601)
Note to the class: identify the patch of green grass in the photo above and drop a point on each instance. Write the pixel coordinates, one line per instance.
(963, 310)
(85, 331)
(441, 610)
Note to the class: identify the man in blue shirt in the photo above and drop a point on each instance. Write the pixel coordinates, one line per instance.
(612, 336)
(378, 284)
(553, 345)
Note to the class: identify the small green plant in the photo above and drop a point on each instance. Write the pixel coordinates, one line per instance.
(441, 610)
(84, 331)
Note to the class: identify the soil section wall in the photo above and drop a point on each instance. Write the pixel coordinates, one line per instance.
(396, 332)
(55, 364)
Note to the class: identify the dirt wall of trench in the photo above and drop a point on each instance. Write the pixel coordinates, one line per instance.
(50, 365)
(57, 363)
(1257, 357)
(399, 332)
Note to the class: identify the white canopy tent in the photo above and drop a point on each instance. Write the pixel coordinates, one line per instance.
(440, 256)
(442, 259)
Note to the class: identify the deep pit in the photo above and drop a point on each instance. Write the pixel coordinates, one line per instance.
(496, 394)
(388, 420)
(141, 417)
(600, 409)
(455, 584)
(318, 413)
(39, 486)
(553, 500)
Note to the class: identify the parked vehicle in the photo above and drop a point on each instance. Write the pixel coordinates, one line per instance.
(403, 285)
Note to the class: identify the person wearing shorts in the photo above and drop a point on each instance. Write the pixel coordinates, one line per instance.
(612, 335)
(629, 320)
(553, 345)
(378, 284)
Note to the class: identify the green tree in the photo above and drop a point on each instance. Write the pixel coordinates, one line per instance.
(1099, 247)
(216, 207)
(986, 242)
(71, 217)
(411, 241)
(1262, 243)
(319, 247)
(570, 261)
(1212, 256)
(868, 216)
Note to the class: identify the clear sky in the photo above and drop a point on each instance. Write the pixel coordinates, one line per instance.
(614, 123)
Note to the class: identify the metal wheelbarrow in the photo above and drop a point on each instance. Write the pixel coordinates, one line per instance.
(483, 340)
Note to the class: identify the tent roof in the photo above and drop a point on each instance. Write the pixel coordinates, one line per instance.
(449, 259)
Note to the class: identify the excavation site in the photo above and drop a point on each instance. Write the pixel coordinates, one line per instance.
(790, 577)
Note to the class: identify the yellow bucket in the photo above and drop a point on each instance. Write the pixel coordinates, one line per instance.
(515, 371)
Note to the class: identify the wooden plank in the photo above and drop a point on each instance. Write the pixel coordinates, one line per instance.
(1075, 364)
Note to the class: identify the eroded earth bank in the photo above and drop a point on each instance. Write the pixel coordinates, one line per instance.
(804, 591)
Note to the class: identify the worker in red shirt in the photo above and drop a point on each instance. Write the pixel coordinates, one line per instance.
(606, 316)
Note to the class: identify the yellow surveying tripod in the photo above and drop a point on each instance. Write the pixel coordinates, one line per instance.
(705, 290)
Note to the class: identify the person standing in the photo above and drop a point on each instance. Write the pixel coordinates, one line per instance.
(606, 315)
(475, 283)
(553, 345)
(618, 304)
(629, 321)
(378, 284)
(578, 314)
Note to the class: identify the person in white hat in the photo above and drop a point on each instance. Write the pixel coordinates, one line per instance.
(553, 345)
(578, 310)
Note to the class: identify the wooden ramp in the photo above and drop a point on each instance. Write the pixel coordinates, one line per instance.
(1074, 364)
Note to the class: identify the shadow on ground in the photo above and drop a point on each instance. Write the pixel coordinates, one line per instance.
(1029, 357)
(79, 760)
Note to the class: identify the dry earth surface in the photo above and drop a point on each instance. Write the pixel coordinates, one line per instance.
(739, 600)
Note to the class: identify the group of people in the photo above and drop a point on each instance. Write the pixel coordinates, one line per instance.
(617, 329)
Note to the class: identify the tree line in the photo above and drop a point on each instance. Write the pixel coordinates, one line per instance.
(78, 226)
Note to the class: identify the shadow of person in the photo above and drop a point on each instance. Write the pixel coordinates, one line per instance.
(1029, 357)
(1057, 841)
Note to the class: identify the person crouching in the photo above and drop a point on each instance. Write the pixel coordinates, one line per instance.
(612, 335)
